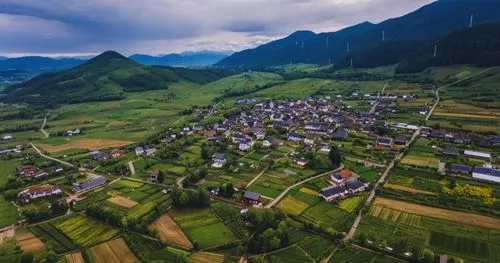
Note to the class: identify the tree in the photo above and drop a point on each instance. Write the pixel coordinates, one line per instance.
(335, 156)
(362, 239)
(227, 189)
(203, 197)
(51, 257)
(10, 195)
(205, 154)
(26, 257)
(203, 172)
(161, 177)
(428, 256)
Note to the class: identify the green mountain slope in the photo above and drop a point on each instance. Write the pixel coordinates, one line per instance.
(105, 77)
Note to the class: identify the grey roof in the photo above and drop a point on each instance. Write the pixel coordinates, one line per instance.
(331, 191)
(341, 133)
(251, 196)
(451, 151)
(460, 168)
(219, 156)
(92, 182)
(354, 185)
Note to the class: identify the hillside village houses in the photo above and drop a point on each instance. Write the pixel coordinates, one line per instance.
(36, 192)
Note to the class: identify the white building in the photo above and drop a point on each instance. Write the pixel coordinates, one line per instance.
(485, 173)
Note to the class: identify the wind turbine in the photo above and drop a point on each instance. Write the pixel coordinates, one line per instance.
(383, 35)
(471, 20)
(435, 50)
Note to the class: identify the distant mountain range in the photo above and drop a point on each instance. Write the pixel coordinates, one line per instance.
(38, 64)
(185, 59)
(427, 23)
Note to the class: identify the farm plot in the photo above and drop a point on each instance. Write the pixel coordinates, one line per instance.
(122, 201)
(59, 242)
(112, 251)
(231, 217)
(353, 255)
(352, 204)
(395, 216)
(8, 213)
(29, 242)
(328, 216)
(206, 257)
(461, 217)
(292, 206)
(315, 246)
(141, 246)
(89, 144)
(74, 258)
(84, 231)
(293, 254)
(169, 231)
(203, 227)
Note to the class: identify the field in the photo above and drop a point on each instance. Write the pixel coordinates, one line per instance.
(407, 189)
(203, 227)
(460, 217)
(354, 255)
(293, 254)
(328, 216)
(8, 169)
(170, 232)
(29, 242)
(8, 213)
(122, 201)
(205, 257)
(112, 251)
(74, 258)
(352, 204)
(292, 206)
(458, 115)
(89, 144)
(71, 232)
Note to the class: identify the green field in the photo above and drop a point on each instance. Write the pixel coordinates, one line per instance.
(203, 227)
(354, 255)
(328, 216)
(8, 213)
(85, 232)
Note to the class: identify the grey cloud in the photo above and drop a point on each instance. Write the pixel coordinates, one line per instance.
(56, 26)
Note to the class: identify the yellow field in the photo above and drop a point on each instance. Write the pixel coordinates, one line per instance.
(205, 257)
(451, 106)
(114, 251)
(74, 258)
(292, 206)
(169, 231)
(407, 189)
(308, 191)
(460, 217)
(122, 201)
(421, 161)
(395, 215)
(89, 144)
(29, 242)
(463, 115)
(113, 124)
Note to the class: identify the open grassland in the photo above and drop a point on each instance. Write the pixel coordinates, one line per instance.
(292, 206)
(203, 227)
(295, 88)
(8, 213)
(206, 257)
(8, 170)
(355, 255)
(74, 258)
(461, 217)
(170, 232)
(29, 242)
(84, 231)
(89, 144)
(114, 251)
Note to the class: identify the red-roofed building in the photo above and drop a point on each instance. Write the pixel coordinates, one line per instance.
(344, 176)
(27, 171)
(117, 153)
(207, 133)
(36, 192)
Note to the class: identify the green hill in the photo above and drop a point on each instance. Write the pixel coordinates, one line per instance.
(105, 77)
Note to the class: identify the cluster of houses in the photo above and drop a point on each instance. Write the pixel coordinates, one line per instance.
(73, 132)
(16, 149)
(98, 155)
(344, 184)
(486, 172)
(461, 137)
(31, 172)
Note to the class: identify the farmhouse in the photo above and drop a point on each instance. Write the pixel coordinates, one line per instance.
(401, 140)
(97, 155)
(340, 134)
(117, 153)
(485, 173)
(266, 144)
(219, 160)
(384, 141)
(460, 168)
(251, 197)
(94, 182)
(317, 128)
(7, 137)
(150, 151)
(302, 162)
(343, 176)
(481, 155)
(450, 151)
(334, 192)
(207, 133)
(27, 171)
(153, 176)
(139, 151)
(294, 137)
(36, 192)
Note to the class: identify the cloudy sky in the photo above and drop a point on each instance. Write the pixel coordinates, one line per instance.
(75, 27)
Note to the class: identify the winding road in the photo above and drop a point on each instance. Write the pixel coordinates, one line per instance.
(43, 126)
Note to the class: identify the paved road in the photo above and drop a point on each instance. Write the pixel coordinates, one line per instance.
(277, 199)
(378, 97)
(43, 126)
(50, 158)
(131, 167)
